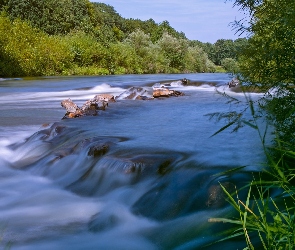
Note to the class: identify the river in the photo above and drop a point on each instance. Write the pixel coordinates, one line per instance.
(153, 184)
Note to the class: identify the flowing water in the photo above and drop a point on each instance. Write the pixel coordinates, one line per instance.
(143, 174)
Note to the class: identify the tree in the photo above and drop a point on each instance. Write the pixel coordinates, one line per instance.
(223, 48)
(196, 60)
(53, 17)
(271, 47)
(230, 65)
(174, 50)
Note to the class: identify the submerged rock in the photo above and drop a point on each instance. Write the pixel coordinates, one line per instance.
(184, 191)
(216, 196)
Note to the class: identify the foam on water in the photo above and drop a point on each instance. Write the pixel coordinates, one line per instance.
(80, 94)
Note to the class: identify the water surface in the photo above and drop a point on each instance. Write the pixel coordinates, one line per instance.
(140, 175)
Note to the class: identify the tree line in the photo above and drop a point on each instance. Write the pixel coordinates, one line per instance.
(68, 37)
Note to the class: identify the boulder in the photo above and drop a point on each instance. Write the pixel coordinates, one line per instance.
(164, 92)
(184, 81)
(104, 97)
(233, 83)
(161, 92)
(72, 109)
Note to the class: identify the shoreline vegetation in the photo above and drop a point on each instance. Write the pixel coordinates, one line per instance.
(79, 37)
(266, 216)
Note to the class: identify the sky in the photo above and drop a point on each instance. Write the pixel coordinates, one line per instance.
(203, 20)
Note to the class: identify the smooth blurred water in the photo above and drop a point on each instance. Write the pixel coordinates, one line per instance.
(154, 185)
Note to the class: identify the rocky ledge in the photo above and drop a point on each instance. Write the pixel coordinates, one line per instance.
(101, 101)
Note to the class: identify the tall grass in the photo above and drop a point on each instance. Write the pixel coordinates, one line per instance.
(266, 216)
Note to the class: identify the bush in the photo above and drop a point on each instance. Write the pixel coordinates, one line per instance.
(196, 60)
(27, 51)
(230, 65)
(84, 49)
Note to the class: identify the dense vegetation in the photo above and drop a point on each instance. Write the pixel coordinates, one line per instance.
(47, 37)
(267, 63)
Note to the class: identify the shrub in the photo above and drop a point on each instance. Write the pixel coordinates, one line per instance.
(230, 65)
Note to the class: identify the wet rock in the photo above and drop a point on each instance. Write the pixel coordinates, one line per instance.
(161, 92)
(233, 83)
(176, 93)
(185, 191)
(164, 92)
(95, 146)
(72, 109)
(104, 97)
(216, 195)
(103, 221)
(142, 97)
(89, 108)
(184, 81)
(141, 165)
(99, 149)
(135, 93)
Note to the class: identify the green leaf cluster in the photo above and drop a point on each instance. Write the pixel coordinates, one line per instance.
(222, 49)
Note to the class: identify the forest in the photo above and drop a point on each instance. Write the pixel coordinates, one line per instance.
(79, 37)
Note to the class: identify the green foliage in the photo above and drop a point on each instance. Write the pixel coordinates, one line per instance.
(273, 221)
(271, 217)
(26, 51)
(50, 38)
(174, 50)
(271, 47)
(223, 48)
(267, 63)
(268, 211)
(123, 59)
(53, 17)
(196, 60)
(84, 49)
(230, 65)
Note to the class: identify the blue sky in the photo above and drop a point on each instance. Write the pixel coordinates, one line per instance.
(203, 20)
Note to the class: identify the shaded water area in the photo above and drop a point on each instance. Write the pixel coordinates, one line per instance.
(140, 175)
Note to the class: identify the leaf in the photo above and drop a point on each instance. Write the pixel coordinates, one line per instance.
(223, 128)
(250, 124)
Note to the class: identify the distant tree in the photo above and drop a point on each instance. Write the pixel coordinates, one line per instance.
(53, 17)
(174, 50)
(230, 65)
(105, 14)
(139, 40)
(223, 48)
(196, 60)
